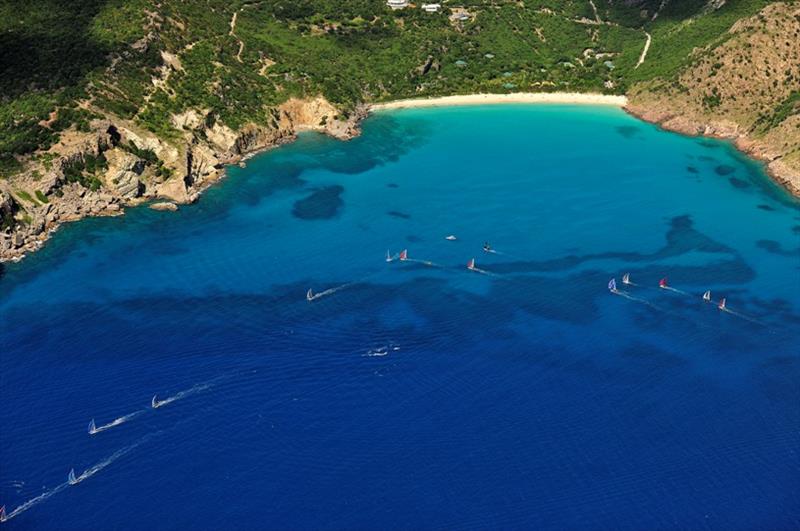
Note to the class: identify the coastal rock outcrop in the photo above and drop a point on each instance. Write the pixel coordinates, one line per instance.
(123, 174)
(138, 165)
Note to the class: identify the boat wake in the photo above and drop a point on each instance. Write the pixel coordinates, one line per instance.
(93, 428)
(471, 266)
(403, 257)
(74, 480)
(382, 351)
(663, 285)
(35, 501)
(311, 296)
(89, 472)
(156, 403)
(743, 316)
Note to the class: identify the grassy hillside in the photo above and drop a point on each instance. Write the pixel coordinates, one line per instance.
(63, 63)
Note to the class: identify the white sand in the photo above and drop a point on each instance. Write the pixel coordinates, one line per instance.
(520, 97)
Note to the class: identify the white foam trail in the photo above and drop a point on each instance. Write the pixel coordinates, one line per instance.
(636, 299)
(425, 262)
(382, 350)
(89, 472)
(670, 288)
(116, 422)
(183, 394)
(502, 253)
(330, 291)
(483, 272)
(743, 316)
(85, 475)
(35, 501)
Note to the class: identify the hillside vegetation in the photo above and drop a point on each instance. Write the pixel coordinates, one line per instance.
(180, 76)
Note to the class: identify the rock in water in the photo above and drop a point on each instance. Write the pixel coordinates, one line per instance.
(164, 205)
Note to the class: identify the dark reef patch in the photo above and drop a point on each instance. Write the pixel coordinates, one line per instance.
(413, 239)
(692, 169)
(738, 183)
(709, 144)
(627, 131)
(771, 246)
(796, 229)
(724, 169)
(707, 158)
(392, 185)
(323, 203)
(396, 214)
(766, 207)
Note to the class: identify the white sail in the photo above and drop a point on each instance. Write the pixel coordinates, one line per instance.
(71, 477)
(388, 256)
(626, 278)
(154, 401)
(92, 428)
(309, 295)
(707, 295)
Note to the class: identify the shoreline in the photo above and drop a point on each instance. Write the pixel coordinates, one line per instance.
(576, 98)
(743, 144)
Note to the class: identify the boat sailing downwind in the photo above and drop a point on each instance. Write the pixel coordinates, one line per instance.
(92, 428)
(71, 479)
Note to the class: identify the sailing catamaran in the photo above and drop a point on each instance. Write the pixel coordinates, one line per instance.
(92, 428)
(722, 304)
(71, 479)
(404, 255)
(707, 296)
(154, 402)
(626, 278)
(3, 513)
(663, 283)
(309, 297)
(612, 285)
(471, 264)
(389, 256)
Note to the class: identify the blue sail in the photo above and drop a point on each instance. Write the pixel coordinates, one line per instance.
(612, 285)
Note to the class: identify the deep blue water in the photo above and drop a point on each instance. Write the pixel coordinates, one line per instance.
(420, 396)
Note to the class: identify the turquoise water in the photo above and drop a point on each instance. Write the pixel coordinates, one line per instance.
(417, 395)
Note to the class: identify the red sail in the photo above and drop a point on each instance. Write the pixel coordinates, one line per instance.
(471, 264)
(403, 254)
(722, 304)
(662, 283)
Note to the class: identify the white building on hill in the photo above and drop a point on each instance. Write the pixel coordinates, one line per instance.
(397, 4)
(431, 8)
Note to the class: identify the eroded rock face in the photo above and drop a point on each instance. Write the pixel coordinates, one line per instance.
(8, 207)
(183, 169)
(123, 173)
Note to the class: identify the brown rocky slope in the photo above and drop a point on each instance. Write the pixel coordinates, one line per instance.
(746, 89)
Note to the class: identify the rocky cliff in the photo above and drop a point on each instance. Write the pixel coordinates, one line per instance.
(117, 164)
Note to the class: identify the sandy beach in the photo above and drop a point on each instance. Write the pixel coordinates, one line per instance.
(521, 97)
